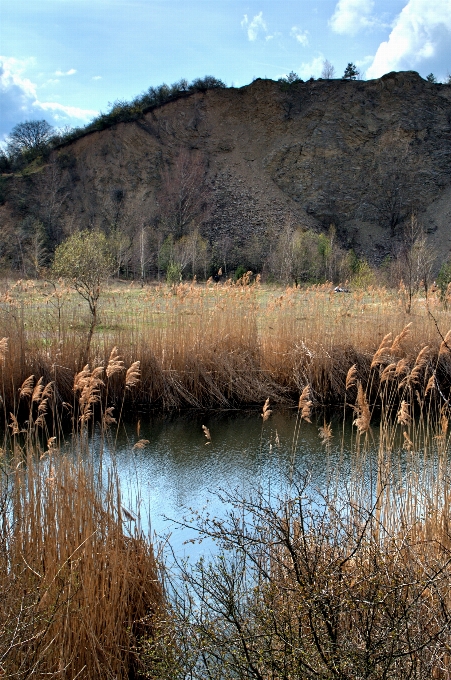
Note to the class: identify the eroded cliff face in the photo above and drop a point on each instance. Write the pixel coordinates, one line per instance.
(360, 155)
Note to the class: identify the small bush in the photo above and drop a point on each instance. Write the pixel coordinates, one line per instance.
(239, 272)
(173, 273)
(444, 278)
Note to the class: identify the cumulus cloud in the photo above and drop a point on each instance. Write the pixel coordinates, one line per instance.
(96, 78)
(70, 72)
(16, 93)
(300, 36)
(61, 112)
(362, 64)
(19, 100)
(312, 68)
(351, 16)
(421, 31)
(255, 26)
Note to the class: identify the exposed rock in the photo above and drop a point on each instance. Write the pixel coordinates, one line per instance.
(361, 155)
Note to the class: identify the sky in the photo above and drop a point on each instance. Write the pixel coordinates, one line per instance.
(67, 60)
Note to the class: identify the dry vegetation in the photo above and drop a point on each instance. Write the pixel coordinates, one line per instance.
(351, 583)
(80, 583)
(345, 586)
(211, 345)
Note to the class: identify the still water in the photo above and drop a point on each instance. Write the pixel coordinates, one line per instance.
(178, 470)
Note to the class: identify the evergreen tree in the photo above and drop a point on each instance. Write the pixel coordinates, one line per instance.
(351, 72)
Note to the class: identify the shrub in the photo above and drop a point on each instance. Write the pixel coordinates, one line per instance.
(173, 273)
(444, 278)
(239, 272)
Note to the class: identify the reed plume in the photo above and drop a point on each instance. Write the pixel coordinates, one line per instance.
(362, 422)
(207, 434)
(38, 390)
(399, 339)
(351, 377)
(266, 411)
(408, 443)
(141, 444)
(388, 373)
(430, 385)
(419, 366)
(26, 389)
(3, 349)
(325, 433)
(444, 346)
(305, 404)
(133, 375)
(404, 417)
(381, 350)
(115, 364)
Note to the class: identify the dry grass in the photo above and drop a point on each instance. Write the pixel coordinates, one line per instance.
(80, 585)
(80, 595)
(75, 585)
(213, 345)
(353, 583)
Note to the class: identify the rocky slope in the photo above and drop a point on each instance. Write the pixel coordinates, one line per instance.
(360, 155)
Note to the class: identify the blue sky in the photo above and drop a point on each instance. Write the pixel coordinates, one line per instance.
(65, 60)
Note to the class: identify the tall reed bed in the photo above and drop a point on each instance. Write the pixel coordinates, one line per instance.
(351, 582)
(214, 345)
(80, 584)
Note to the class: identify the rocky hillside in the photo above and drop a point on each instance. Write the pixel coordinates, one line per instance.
(360, 155)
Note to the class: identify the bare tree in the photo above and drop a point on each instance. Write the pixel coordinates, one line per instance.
(223, 247)
(390, 183)
(416, 261)
(50, 195)
(184, 194)
(310, 588)
(121, 248)
(328, 71)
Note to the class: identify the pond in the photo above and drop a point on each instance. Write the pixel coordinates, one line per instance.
(179, 470)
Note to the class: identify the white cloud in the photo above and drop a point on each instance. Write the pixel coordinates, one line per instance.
(70, 72)
(364, 62)
(311, 68)
(421, 31)
(96, 78)
(50, 82)
(351, 16)
(60, 111)
(301, 36)
(19, 100)
(255, 26)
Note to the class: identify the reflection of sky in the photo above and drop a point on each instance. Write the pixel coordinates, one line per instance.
(177, 471)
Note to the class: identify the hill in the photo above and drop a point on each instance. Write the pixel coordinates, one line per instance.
(243, 166)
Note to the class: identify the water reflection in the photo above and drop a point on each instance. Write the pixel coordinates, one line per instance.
(178, 470)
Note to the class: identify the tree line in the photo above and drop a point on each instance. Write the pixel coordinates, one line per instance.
(178, 242)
